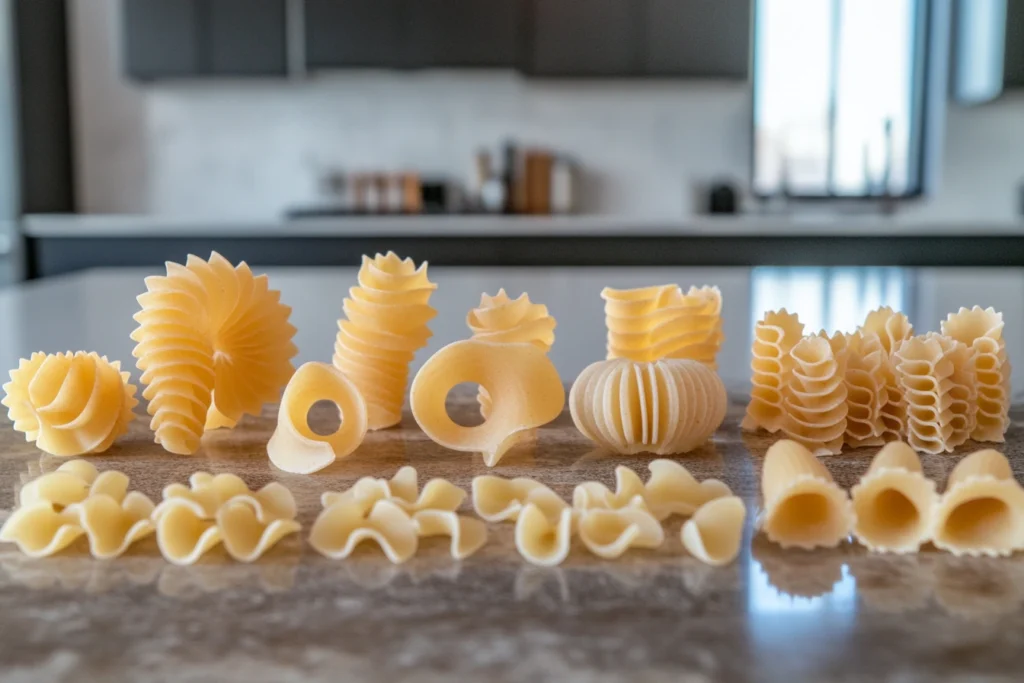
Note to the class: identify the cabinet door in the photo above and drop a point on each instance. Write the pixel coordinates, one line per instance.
(353, 33)
(246, 37)
(592, 38)
(708, 38)
(463, 33)
(1014, 67)
(161, 38)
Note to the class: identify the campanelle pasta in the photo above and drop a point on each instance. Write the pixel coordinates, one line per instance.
(467, 534)
(982, 331)
(344, 525)
(609, 533)
(403, 490)
(70, 404)
(714, 534)
(815, 395)
(774, 337)
(501, 500)
(543, 533)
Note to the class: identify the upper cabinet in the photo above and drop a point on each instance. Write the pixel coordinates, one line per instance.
(353, 33)
(697, 38)
(592, 38)
(161, 38)
(1013, 73)
(246, 37)
(464, 33)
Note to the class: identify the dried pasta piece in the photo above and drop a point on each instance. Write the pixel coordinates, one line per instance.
(714, 534)
(894, 502)
(510, 321)
(963, 393)
(385, 324)
(652, 323)
(403, 490)
(671, 406)
(814, 396)
(114, 520)
(206, 491)
(184, 530)
(672, 490)
(521, 380)
(246, 530)
(40, 531)
(593, 495)
(501, 500)
(67, 485)
(295, 447)
(982, 510)
(468, 535)
(70, 404)
(866, 392)
(543, 536)
(891, 327)
(608, 533)
(213, 344)
(342, 526)
(981, 330)
(803, 506)
(774, 337)
(925, 372)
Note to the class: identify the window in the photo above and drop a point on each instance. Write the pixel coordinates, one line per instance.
(838, 93)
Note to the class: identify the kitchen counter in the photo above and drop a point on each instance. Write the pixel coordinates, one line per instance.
(827, 615)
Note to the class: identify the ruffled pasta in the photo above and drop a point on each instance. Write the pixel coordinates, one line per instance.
(715, 532)
(403, 490)
(610, 533)
(866, 392)
(213, 344)
(672, 490)
(467, 535)
(890, 329)
(774, 337)
(70, 404)
(662, 407)
(815, 395)
(501, 500)
(69, 484)
(543, 533)
(926, 376)
(385, 324)
(981, 330)
(340, 528)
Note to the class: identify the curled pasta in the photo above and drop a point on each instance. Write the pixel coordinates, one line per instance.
(890, 329)
(543, 532)
(403, 490)
(385, 324)
(343, 526)
(248, 532)
(499, 500)
(609, 533)
(672, 490)
(866, 392)
(815, 395)
(69, 484)
(715, 532)
(981, 330)
(39, 530)
(593, 495)
(774, 337)
(70, 404)
(661, 407)
(926, 372)
(213, 344)
(294, 446)
(112, 523)
(521, 380)
(467, 535)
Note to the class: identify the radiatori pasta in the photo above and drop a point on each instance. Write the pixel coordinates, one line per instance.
(815, 395)
(774, 337)
(662, 407)
(981, 330)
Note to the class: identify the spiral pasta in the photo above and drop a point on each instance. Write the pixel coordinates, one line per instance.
(774, 338)
(514, 321)
(815, 396)
(982, 331)
(926, 372)
(213, 344)
(891, 328)
(70, 404)
(662, 407)
(866, 393)
(385, 324)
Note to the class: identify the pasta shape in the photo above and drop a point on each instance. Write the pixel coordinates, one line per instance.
(468, 535)
(343, 526)
(70, 404)
(385, 324)
(654, 323)
(543, 533)
(815, 395)
(866, 392)
(894, 502)
(522, 382)
(593, 495)
(714, 534)
(113, 523)
(609, 533)
(982, 510)
(774, 337)
(184, 531)
(803, 506)
(403, 490)
(981, 330)
(926, 369)
(672, 490)
(213, 344)
(69, 484)
(501, 500)
(248, 532)
(39, 530)
(662, 407)
(294, 446)
(891, 327)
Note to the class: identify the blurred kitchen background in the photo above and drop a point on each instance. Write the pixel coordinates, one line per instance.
(825, 155)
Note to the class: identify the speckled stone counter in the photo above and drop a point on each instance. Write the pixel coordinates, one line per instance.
(835, 615)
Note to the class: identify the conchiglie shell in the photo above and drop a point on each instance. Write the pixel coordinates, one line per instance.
(467, 535)
(714, 534)
(894, 502)
(39, 530)
(610, 533)
(982, 510)
(543, 540)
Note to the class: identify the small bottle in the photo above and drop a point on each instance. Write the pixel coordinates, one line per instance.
(563, 186)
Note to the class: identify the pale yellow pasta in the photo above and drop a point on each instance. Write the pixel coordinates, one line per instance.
(70, 404)
(214, 344)
(672, 490)
(774, 337)
(343, 526)
(866, 392)
(499, 500)
(543, 536)
(671, 406)
(516, 321)
(803, 506)
(184, 530)
(629, 491)
(403, 490)
(814, 395)
(39, 530)
(982, 331)
(294, 446)
(206, 491)
(523, 383)
(894, 502)
(982, 510)
(714, 534)
(963, 390)
(926, 376)
(246, 530)
(652, 323)
(113, 522)
(68, 484)
(608, 533)
(891, 327)
(385, 324)
(467, 534)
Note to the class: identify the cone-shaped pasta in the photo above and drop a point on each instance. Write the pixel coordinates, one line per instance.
(894, 502)
(385, 324)
(982, 331)
(671, 406)
(652, 323)
(70, 403)
(982, 510)
(521, 380)
(468, 535)
(500, 500)
(672, 490)
(39, 530)
(213, 344)
(343, 526)
(714, 533)
(815, 394)
(403, 490)
(294, 446)
(543, 538)
(245, 535)
(516, 321)
(866, 393)
(803, 506)
(774, 337)
(610, 533)
(934, 412)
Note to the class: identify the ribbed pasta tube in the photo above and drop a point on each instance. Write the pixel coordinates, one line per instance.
(891, 329)
(982, 331)
(815, 395)
(866, 393)
(774, 337)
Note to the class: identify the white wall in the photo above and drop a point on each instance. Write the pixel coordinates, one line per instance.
(249, 149)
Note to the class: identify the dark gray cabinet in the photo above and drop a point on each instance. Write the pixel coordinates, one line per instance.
(592, 38)
(1013, 74)
(464, 33)
(354, 33)
(246, 37)
(697, 38)
(161, 38)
